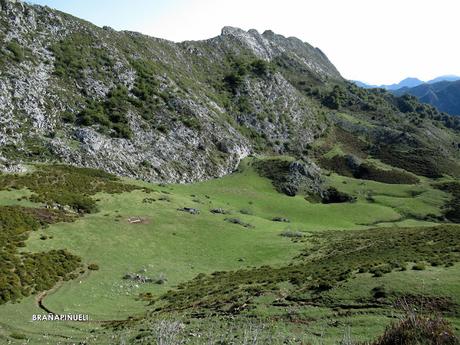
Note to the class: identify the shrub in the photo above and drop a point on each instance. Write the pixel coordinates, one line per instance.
(292, 234)
(420, 330)
(348, 166)
(191, 122)
(25, 273)
(419, 267)
(335, 98)
(260, 68)
(452, 208)
(246, 211)
(17, 50)
(19, 336)
(331, 257)
(60, 185)
(109, 114)
(233, 81)
(93, 267)
(333, 195)
(379, 292)
(78, 52)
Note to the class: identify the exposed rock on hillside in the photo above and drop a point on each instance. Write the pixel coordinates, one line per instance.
(179, 122)
(153, 109)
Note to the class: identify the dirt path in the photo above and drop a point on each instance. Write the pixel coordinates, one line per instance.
(41, 296)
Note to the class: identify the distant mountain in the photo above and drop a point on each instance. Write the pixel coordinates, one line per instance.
(443, 78)
(364, 85)
(407, 83)
(444, 95)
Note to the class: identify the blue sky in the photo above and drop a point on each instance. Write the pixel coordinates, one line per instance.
(121, 15)
(376, 41)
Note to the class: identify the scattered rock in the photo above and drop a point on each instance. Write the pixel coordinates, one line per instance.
(219, 211)
(138, 220)
(190, 210)
(239, 222)
(281, 219)
(137, 278)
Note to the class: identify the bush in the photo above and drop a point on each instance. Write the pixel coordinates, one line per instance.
(335, 98)
(260, 68)
(292, 234)
(419, 267)
(246, 211)
(17, 50)
(109, 114)
(93, 267)
(349, 166)
(77, 52)
(233, 81)
(452, 208)
(332, 195)
(60, 185)
(420, 330)
(18, 336)
(379, 292)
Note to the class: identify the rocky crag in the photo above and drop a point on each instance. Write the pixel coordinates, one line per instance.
(149, 108)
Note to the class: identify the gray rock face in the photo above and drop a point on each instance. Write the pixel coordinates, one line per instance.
(269, 45)
(303, 177)
(195, 129)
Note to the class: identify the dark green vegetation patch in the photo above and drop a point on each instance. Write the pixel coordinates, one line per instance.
(422, 162)
(277, 170)
(349, 166)
(419, 329)
(22, 274)
(452, 208)
(109, 114)
(61, 186)
(78, 52)
(335, 257)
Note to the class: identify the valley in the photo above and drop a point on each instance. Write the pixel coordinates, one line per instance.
(232, 190)
(177, 246)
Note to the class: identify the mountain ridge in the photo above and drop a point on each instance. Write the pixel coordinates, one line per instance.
(153, 109)
(444, 95)
(407, 82)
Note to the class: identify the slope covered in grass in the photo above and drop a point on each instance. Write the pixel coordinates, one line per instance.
(173, 247)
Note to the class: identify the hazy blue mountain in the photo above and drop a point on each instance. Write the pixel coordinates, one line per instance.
(449, 77)
(407, 83)
(444, 95)
(364, 85)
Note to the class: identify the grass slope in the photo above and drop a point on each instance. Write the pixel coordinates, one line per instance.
(179, 245)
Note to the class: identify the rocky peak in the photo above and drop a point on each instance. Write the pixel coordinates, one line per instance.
(269, 45)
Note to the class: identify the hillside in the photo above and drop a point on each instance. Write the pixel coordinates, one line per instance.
(148, 108)
(444, 95)
(235, 190)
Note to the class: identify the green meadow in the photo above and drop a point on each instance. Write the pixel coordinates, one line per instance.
(174, 246)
